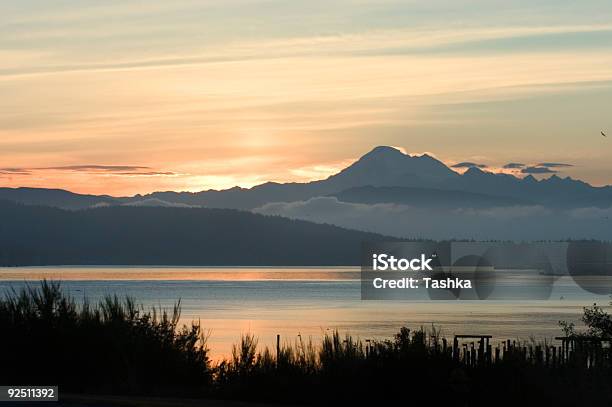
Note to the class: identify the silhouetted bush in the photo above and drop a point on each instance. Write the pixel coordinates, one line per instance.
(111, 347)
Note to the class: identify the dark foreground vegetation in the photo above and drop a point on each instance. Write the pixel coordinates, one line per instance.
(111, 347)
(116, 347)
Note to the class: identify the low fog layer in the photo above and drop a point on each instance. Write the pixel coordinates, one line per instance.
(511, 222)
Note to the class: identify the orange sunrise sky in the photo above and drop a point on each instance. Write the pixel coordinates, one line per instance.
(122, 97)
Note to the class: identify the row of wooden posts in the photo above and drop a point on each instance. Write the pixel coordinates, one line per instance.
(476, 350)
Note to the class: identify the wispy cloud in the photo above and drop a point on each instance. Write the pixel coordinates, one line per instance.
(15, 171)
(537, 170)
(467, 164)
(554, 165)
(94, 167)
(148, 174)
(512, 222)
(512, 166)
(381, 42)
(119, 170)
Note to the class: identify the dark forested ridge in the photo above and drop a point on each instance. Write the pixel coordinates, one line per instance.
(118, 235)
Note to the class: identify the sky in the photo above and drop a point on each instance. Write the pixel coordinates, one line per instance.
(126, 97)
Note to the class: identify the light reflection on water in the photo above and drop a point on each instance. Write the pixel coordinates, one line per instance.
(305, 301)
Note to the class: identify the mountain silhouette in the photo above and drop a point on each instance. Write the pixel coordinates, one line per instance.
(552, 192)
(58, 198)
(382, 167)
(387, 166)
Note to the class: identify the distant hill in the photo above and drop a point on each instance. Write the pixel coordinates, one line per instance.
(58, 198)
(155, 202)
(381, 167)
(425, 197)
(121, 235)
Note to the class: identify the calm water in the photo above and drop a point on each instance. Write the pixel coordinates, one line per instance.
(306, 302)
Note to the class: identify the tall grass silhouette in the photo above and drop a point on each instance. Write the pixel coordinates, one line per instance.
(111, 347)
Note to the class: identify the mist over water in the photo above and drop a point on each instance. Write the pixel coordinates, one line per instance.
(304, 301)
(535, 222)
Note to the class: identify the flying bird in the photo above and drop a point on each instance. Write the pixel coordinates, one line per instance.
(603, 134)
